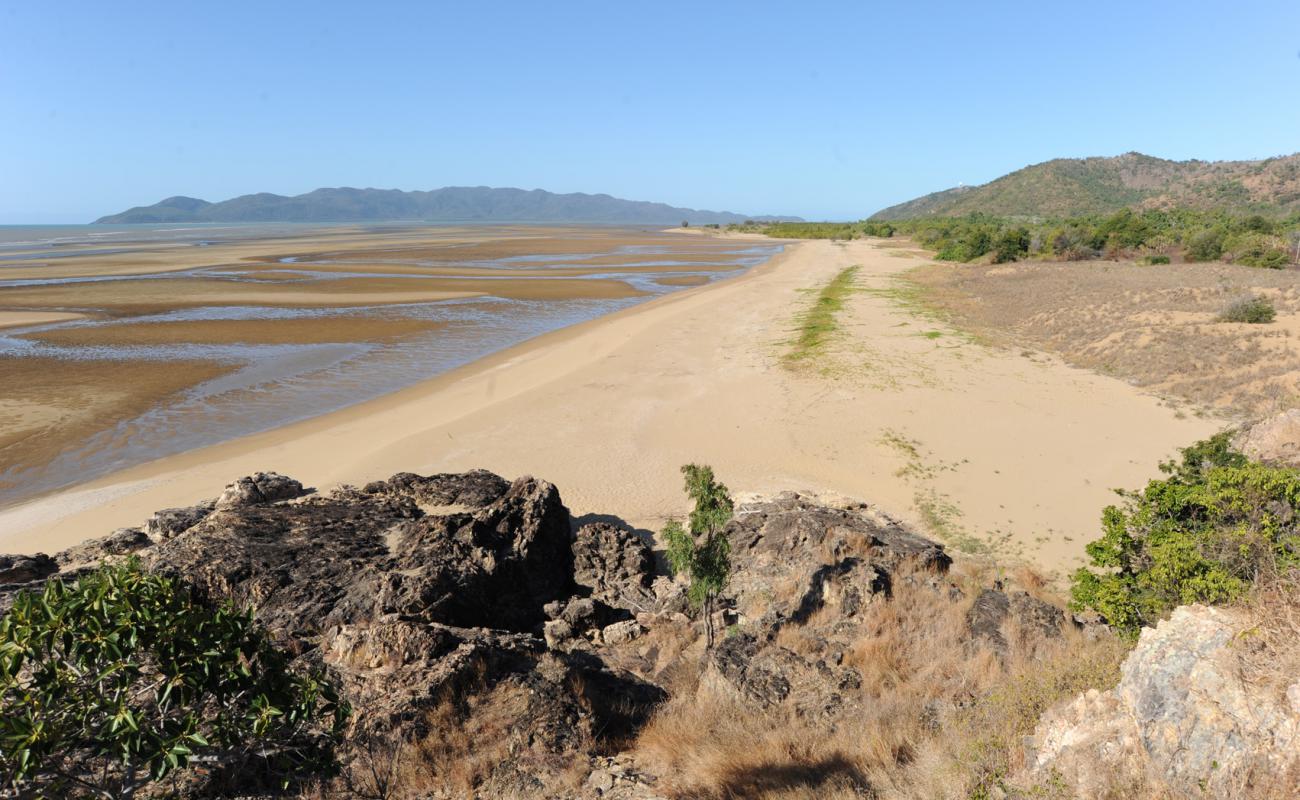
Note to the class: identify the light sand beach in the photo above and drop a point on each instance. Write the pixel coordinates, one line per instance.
(985, 447)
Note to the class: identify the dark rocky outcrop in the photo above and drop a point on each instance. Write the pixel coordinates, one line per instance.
(423, 596)
(615, 566)
(987, 617)
(18, 570)
(466, 604)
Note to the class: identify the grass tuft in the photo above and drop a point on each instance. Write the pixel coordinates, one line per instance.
(818, 323)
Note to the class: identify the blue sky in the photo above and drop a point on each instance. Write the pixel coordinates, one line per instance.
(821, 109)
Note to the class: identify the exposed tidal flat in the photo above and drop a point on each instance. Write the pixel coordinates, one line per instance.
(123, 344)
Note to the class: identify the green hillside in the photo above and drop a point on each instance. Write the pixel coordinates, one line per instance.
(1068, 187)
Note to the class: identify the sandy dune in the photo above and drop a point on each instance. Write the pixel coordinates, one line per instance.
(986, 447)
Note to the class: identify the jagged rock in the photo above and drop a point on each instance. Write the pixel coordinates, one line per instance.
(789, 535)
(984, 619)
(1275, 440)
(615, 565)
(621, 632)
(771, 675)
(120, 542)
(350, 556)
(583, 614)
(264, 487)
(473, 489)
(16, 570)
(1182, 718)
(170, 521)
(557, 633)
(993, 607)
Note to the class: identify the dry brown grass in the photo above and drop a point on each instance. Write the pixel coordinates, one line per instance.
(1269, 644)
(1155, 326)
(933, 718)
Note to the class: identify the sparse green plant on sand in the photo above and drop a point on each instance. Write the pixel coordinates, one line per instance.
(818, 322)
(1250, 309)
(122, 678)
(1204, 534)
(702, 551)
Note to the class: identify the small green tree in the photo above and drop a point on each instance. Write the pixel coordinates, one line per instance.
(123, 677)
(703, 553)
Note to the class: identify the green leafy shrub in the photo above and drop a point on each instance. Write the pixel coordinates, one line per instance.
(702, 553)
(1258, 250)
(1153, 260)
(123, 677)
(1255, 310)
(1206, 245)
(1204, 534)
(1010, 245)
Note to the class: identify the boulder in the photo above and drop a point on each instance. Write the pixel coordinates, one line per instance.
(993, 607)
(17, 570)
(1275, 440)
(264, 487)
(621, 632)
(614, 565)
(473, 489)
(170, 521)
(1182, 720)
(123, 541)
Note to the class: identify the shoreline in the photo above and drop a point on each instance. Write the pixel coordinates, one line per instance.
(31, 511)
(609, 408)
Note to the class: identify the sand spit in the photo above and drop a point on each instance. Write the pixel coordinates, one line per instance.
(984, 447)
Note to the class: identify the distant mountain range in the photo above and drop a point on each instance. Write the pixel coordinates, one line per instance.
(1071, 186)
(451, 204)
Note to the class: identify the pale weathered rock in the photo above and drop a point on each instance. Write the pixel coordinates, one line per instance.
(1275, 440)
(1182, 718)
(621, 632)
(264, 487)
(120, 542)
(170, 521)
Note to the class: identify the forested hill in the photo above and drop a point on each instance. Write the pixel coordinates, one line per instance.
(1067, 187)
(450, 204)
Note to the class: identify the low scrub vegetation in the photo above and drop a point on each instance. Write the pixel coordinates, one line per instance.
(1151, 236)
(122, 679)
(1254, 310)
(939, 719)
(1207, 533)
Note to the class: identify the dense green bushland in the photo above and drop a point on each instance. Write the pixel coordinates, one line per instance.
(1204, 534)
(122, 678)
(1151, 236)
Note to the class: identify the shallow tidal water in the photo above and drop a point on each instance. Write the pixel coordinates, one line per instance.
(270, 384)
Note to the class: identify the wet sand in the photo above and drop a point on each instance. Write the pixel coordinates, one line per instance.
(980, 446)
(240, 331)
(50, 405)
(24, 319)
(292, 339)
